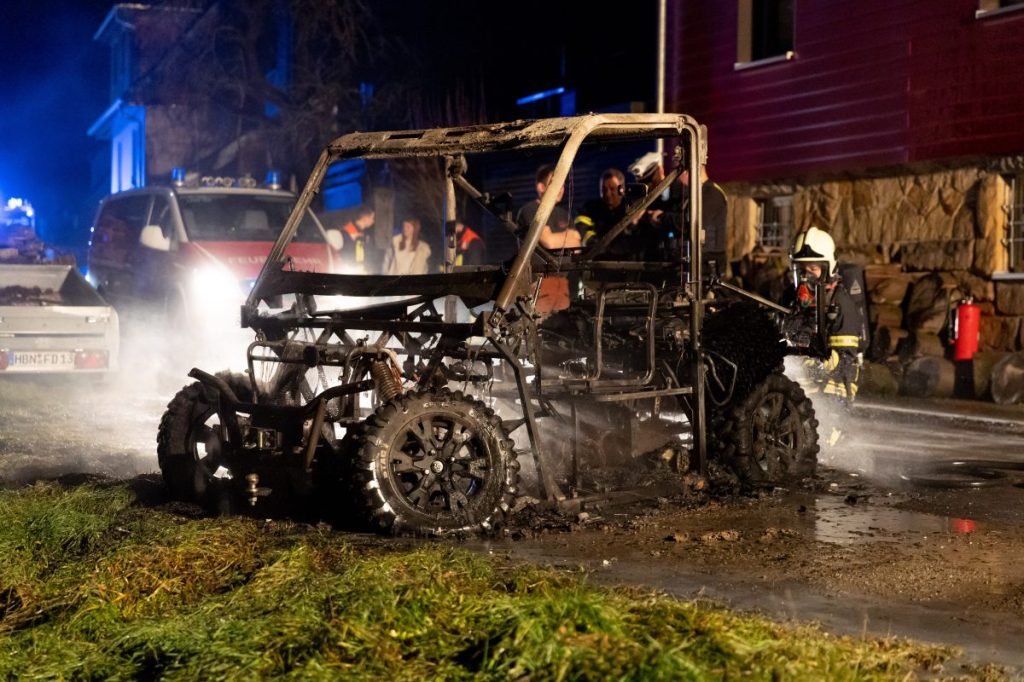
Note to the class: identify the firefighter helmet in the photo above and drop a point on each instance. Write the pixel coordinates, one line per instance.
(815, 245)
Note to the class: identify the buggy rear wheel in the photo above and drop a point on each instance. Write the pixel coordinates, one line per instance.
(771, 436)
(435, 462)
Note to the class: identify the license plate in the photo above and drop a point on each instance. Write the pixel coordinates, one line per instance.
(28, 361)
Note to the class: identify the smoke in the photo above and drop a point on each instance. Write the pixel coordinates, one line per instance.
(104, 424)
(839, 430)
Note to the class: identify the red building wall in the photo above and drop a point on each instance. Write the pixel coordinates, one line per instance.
(874, 83)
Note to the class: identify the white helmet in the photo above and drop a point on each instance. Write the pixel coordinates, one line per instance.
(815, 246)
(645, 166)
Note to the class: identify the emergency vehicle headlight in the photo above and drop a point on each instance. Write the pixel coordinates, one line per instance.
(215, 284)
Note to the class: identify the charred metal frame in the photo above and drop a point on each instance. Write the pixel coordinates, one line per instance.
(511, 326)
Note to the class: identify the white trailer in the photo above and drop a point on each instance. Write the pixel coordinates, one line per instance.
(53, 320)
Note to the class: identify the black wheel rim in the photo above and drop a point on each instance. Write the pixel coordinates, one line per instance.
(440, 464)
(776, 434)
(206, 447)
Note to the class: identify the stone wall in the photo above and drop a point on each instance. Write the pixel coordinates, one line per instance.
(930, 238)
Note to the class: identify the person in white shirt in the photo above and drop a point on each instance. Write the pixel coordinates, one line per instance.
(408, 254)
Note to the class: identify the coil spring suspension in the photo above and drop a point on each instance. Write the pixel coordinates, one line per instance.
(387, 380)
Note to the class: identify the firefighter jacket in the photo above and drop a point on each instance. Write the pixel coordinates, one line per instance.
(839, 371)
(470, 248)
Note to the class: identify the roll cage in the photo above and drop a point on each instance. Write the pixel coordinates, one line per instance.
(511, 322)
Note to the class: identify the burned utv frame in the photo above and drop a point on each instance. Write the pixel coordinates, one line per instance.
(418, 455)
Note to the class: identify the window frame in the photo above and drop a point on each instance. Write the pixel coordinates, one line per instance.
(1014, 207)
(993, 8)
(780, 241)
(745, 39)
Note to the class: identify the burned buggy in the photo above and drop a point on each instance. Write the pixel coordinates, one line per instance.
(413, 427)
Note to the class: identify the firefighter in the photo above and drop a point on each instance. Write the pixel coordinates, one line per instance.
(469, 247)
(836, 347)
(358, 253)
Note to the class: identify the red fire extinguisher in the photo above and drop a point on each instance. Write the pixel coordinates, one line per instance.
(966, 326)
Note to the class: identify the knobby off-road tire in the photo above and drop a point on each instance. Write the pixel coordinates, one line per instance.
(771, 436)
(187, 447)
(434, 462)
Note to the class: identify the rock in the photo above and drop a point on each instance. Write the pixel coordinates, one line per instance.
(891, 290)
(865, 254)
(1000, 333)
(884, 315)
(993, 196)
(1010, 298)
(875, 272)
(963, 225)
(921, 344)
(978, 288)
(884, 342)
(990, 255)
(1008, 380)
(678, 536)
(983, 364)
(877, 380)
(714, 537)
(929, 302)
(938, 255)
(771, 534)
(929, 377)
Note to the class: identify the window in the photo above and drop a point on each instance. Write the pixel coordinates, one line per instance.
(234, 217)
(117, 229)
(161, 216)
(1015, 222)
(990, 7)
(764, 32)
(774, 223)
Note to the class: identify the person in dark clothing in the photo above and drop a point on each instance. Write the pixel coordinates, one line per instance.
(639, 241)
(600, 215)
(673, 220)
(556, 234)
(357, 252)
(714, 213)
(470, 248)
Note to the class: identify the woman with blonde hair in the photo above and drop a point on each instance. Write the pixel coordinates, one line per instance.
(408, 254)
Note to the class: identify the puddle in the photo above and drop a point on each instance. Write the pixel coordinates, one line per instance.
(836, 521)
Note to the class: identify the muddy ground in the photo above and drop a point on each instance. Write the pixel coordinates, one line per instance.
(869, 546)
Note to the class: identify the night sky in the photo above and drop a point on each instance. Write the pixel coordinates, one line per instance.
(55, 77)
(54, 86)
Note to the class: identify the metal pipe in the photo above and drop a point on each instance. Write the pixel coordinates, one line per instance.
(754, 297)
(549, 487)
(660, 103)
(314, 433)
(521, 263)
(273, 261)
(620, 226)
(452, 169)
(478, 197)
(694, 161)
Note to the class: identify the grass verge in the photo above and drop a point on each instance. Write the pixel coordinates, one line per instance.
(93, 586)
